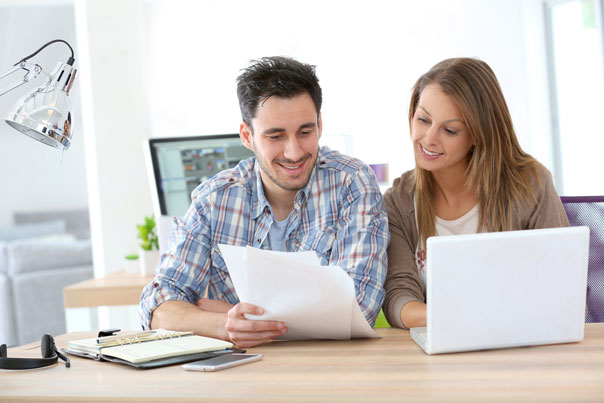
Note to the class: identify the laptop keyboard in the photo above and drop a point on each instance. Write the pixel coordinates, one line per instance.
(422, 334)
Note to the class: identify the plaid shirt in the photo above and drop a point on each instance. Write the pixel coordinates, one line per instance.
(340, 215)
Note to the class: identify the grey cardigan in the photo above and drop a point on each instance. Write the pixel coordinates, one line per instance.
(403, 283)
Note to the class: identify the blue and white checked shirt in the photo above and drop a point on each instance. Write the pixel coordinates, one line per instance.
(340, 215)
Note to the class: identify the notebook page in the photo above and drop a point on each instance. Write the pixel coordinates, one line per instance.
(153, 350)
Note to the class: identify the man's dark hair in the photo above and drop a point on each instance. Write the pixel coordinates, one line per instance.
(275, 76)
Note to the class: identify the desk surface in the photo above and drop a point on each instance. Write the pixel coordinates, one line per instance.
(114, 289)
(387, 369)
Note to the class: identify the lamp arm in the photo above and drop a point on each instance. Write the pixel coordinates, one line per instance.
(32, 71)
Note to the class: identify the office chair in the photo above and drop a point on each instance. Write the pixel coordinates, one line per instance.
(589, 211)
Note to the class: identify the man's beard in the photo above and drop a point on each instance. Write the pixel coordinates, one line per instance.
(282, 184)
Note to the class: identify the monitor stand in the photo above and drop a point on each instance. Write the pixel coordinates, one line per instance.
(165, 224)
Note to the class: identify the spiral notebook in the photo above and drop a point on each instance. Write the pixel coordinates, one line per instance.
(150, 349)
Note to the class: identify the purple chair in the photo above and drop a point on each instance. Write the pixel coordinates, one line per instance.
(589, 211)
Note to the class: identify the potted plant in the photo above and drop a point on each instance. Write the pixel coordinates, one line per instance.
(149, 245)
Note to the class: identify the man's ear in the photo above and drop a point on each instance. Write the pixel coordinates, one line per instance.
(320, 125)
(245, 134)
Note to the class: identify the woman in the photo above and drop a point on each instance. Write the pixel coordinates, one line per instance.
(470, 176)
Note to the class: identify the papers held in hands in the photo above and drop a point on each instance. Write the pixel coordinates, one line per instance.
(150, 349)
(314, 301)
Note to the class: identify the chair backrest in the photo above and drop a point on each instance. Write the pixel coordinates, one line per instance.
(589, 210)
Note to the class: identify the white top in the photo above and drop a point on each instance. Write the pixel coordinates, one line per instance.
(466, 224)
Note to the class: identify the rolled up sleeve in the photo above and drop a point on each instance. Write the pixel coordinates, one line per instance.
(182, 272)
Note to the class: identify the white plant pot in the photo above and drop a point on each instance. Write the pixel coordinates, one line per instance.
(132, 266)
(148, 260)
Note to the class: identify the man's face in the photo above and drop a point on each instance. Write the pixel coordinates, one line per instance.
(285, 140)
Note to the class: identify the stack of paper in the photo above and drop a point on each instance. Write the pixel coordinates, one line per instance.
(314, 301)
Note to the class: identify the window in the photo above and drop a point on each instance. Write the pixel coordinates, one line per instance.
(575, 52)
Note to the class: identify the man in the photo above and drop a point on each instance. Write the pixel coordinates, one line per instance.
(292, 196)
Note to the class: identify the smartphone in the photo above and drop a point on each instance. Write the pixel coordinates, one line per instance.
(222, 362)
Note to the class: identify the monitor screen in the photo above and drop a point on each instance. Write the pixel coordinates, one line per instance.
(180, 164)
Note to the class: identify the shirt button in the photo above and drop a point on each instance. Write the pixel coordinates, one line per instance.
(258, 240)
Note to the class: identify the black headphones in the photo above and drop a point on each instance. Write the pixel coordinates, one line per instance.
(50, 355)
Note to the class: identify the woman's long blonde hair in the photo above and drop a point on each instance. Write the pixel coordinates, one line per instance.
(498, 169)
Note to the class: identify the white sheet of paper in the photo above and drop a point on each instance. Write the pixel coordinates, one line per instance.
(360, 327)
(315, 302)
(311, 300)
(307, 257)
(234, 257)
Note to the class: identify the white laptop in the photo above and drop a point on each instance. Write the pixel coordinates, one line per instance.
(505, 289)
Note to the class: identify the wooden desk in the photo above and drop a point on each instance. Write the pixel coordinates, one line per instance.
(389, 369)
(114, 289)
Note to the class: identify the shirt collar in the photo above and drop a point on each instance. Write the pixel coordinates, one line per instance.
(260, 201)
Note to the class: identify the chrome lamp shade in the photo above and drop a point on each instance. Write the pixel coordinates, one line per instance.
(45, 114)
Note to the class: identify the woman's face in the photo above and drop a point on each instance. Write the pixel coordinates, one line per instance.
(440, 138)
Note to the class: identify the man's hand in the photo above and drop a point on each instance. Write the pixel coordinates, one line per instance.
(241, 331)
(248, 333)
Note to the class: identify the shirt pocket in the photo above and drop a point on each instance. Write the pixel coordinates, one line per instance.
(320, 241)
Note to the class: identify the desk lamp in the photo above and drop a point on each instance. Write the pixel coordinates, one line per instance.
(45, 113)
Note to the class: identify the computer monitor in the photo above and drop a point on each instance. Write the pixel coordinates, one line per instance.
(177, 165)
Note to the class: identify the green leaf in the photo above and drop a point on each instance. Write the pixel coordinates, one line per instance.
(147, 234)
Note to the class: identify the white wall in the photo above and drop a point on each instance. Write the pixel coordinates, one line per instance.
(33, 176)
(116, 121)
(368, 54)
